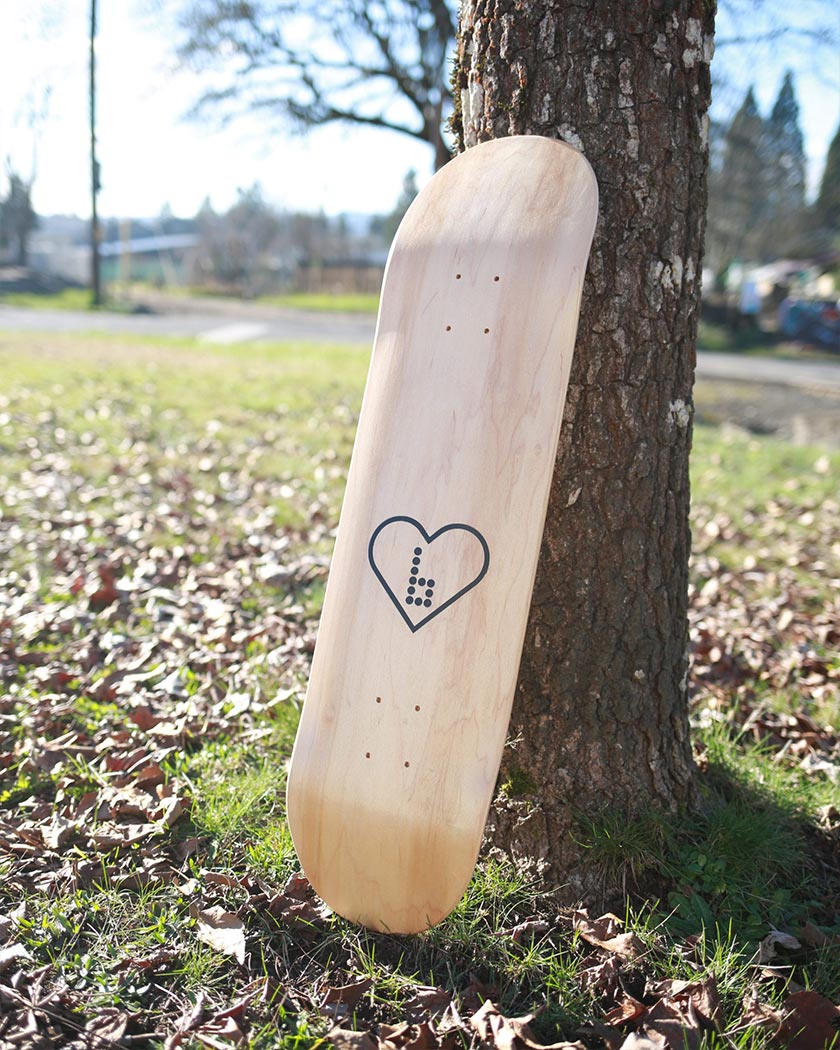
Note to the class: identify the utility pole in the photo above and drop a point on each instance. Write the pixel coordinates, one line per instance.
(95, 283)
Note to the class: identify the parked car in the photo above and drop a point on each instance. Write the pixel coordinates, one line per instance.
(812, 321)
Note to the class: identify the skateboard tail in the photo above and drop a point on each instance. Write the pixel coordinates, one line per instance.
(391, 883)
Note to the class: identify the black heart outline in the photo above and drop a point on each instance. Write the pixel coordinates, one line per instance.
(428, 539)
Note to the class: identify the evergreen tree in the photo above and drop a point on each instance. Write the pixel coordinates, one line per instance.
(409, 192)
(17, 217)
(737, 189)
(827, 205)
(784, 154)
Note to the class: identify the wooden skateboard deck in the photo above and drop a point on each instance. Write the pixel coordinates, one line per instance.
(424, 616)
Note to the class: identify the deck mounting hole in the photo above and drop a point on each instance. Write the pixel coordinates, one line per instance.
(416, 707)
(406, 764)
(367, 754)
(496, 278)
(379, 699)
(457, 277)
(486, 331)
(449, 328)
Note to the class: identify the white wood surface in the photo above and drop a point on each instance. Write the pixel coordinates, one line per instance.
(407, 709)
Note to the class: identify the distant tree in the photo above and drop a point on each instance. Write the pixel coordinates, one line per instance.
(737, 189)
(318, 65)
(826, 210)
(386, 225)
(234, 248)
(17, 217)
(784, 176)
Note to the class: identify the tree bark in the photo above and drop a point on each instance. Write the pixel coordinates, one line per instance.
(601, 715)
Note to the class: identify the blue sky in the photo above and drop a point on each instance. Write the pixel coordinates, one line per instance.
(151, 156)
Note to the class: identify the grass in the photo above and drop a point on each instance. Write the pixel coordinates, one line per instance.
(79, 299)
(753, 342)
(225, 461)
(66, 299)
(344, 302)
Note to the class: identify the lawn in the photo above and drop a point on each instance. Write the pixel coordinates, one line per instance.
(758, 343)
(66, 299)
(167, 511)
(117, 299)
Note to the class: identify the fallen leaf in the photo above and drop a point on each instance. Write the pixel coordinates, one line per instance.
(426, 1002)
(626, 1010)
(57, 832)
(340, 1002)
(108, 1026)
(677, 1021)
(222, 930)
(703, 996)
(648, 1041)
(767, 949)
(759, 1015)
(219, 1034)
(408, 1037)
(527, 931)
(343, 1039)
(510, 1033)
(11, 953)
(348, 994)
(601, 976)
(816, 937)
(811, 1022)
(603, 932)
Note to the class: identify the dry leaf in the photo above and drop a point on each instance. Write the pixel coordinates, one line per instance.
(108, 1026)
(349, 994)
(759, 1015)
(628, 1009)
(57, 832)
(510, 1033)
(426, 1002)
(811, 1022)
(527, 931)
(601, 976)
(767, 949)
(343, 1039)
(219, 1034)
(703, 996)
(604, 932)
(222, 930)
(647, 1041)
(678, 1021)
(408, 1037)
(10, 954)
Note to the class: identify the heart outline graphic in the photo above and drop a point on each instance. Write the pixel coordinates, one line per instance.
(414, 627)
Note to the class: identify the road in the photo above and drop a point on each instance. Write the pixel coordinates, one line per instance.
(233, 322)
(236, 323)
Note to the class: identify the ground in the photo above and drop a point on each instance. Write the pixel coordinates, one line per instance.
(166, 517)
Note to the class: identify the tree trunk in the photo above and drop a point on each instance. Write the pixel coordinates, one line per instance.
(601, 715)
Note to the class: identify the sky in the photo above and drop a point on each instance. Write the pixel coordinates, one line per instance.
(152, 156)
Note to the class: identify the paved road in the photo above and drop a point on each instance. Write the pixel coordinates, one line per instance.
(816, 375)
(237, 323)
(232, 322)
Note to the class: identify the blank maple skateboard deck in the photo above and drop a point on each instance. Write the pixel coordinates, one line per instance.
(424, 616)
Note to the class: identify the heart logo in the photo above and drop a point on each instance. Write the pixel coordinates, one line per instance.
(423, 573)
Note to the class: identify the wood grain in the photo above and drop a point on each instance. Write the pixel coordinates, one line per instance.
(405, 717)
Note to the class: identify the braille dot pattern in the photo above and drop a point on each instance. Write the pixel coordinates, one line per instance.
(415, 581)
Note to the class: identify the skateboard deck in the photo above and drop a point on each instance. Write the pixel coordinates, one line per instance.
(426, 606)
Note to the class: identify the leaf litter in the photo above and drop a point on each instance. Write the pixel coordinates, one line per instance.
(153, 606)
